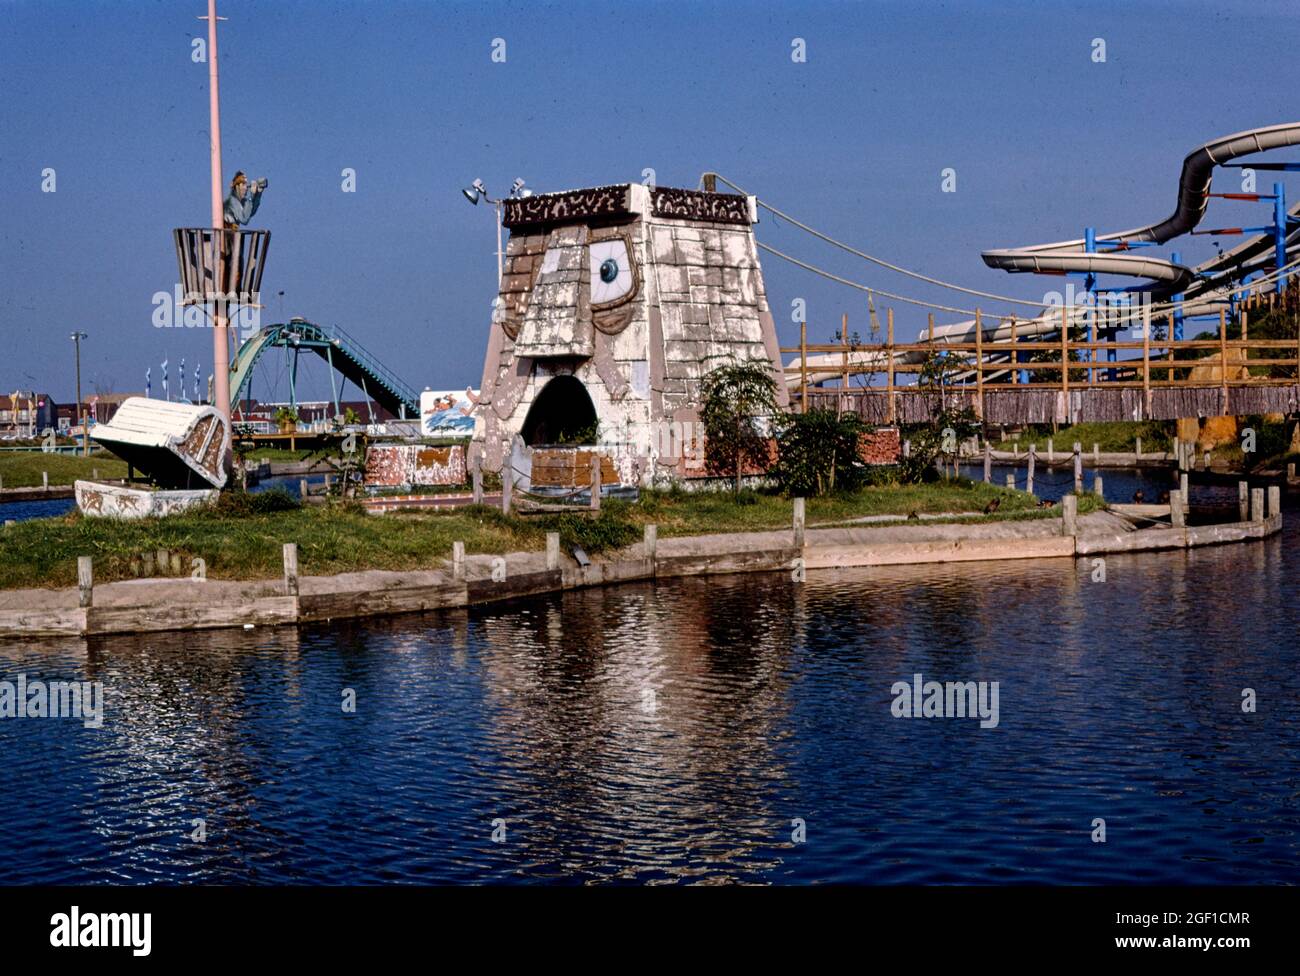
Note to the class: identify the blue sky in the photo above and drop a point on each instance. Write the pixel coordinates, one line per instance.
(1044, 142)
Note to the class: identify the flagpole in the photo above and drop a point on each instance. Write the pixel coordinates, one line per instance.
(220, 323)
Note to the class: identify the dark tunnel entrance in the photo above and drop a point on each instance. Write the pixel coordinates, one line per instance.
(562, 414)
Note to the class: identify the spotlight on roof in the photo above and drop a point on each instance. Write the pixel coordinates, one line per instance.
(474, 191)
(517, 189)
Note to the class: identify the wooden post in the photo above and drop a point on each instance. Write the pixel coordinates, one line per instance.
(302, 488)
(651, 543)
(1182, 486)
(85, 581)
(1274, 501)
(595, 482)
(1051, 452)
(291, 568)
(803, 366)
(1137, 450)
(988, 463)
(1078, 468)
(1177, 509)
(1257, 504)
(1223, 357)
(1243, 501)
(1146, 359)
(907, 448)
(552, 551)
(979, 367)
(458, 560)
(45, 480)
(94, 474)
(476, 477)
(1011, 356)
(1065, 358)
(798, 523)
(1070, 515)
(1290, 471)
(889, 375)
(1011, 481)
(507, 484)
(1169, 372)
(1097, 488)
(1033, 457)
(843, 399)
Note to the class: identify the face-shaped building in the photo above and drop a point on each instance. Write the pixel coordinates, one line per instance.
(615, 302)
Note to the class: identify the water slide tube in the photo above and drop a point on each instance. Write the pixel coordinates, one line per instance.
(1204, 287)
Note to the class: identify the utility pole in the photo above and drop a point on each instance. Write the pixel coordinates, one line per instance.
(76, 338)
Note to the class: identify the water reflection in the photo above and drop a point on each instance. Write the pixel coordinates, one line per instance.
(671, 733)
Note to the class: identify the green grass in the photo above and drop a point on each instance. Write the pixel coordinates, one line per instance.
(243, 538)
(1111, 436)
(22, 469)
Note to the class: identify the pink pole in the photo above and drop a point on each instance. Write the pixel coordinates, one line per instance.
(220, 325)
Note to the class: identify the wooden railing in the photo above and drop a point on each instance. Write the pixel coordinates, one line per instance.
(1063, 364)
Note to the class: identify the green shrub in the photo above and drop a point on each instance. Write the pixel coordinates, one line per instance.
(610, 529)
(818, 453)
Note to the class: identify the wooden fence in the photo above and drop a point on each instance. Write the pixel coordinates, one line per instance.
(1068, 381)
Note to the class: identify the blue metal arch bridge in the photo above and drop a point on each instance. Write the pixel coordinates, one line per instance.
(344, 354)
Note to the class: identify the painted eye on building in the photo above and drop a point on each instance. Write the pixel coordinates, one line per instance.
(612, 277)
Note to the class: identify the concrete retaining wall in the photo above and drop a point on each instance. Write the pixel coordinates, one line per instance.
(183, 604)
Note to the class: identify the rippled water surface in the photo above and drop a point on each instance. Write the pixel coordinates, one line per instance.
(671, 733)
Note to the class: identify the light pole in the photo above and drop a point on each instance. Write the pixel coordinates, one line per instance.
(76, 338)
(476, 191)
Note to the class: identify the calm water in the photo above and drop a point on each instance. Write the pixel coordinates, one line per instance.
(771, 701)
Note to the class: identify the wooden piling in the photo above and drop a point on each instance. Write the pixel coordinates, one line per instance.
(1274, 501)
(476, 477)
(988, 463)
(291, 568)
(45, 480)
(1177, 509)
(1070, 515)
(85, 581)
(1029, 475)
(1078, 468)
(651, 542)
(1257, 504)
(458, 560)
(1137, 450)
(552, 551)
(1051, 452)
(1243, 501)
(1182, 486)
(507, 484)
(302, 488)
(798, 523)
(595, 482)
(1097, 488)
(1011, 481)
(1096, 454)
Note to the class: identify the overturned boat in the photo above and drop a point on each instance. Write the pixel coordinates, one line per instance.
(180, 447)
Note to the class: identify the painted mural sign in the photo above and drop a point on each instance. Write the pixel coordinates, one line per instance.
(447, 413)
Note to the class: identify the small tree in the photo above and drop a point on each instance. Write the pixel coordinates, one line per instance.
(737, 398)
(948, 425)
